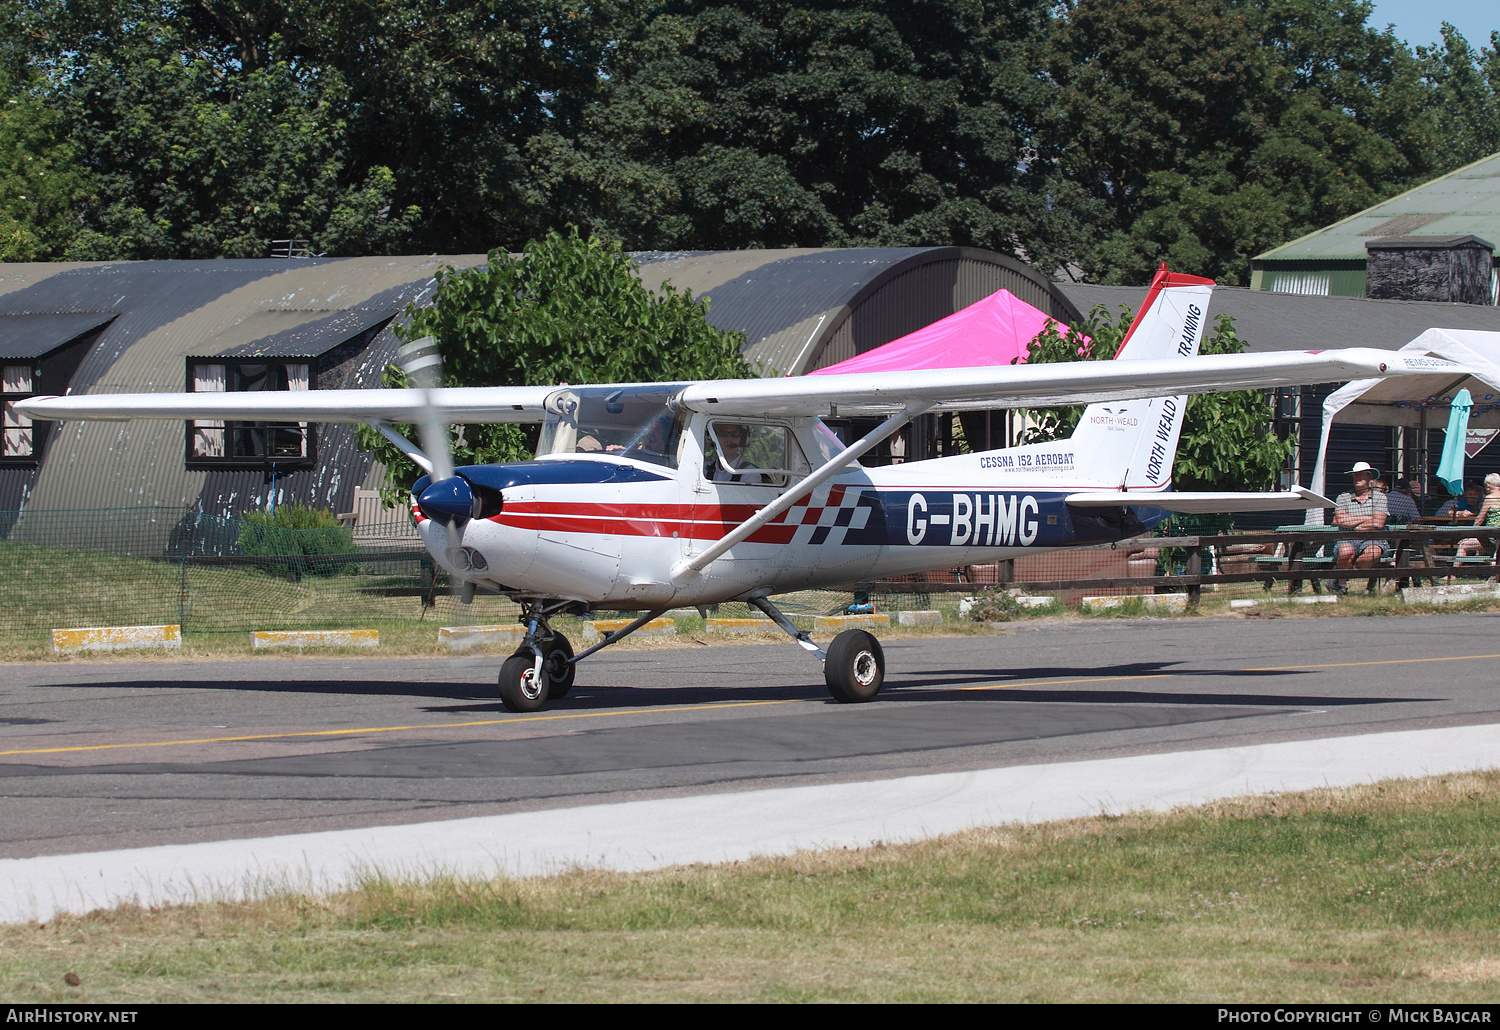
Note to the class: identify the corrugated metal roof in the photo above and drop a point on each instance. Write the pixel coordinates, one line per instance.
(798, 307)
(172, 310)
(1283, 321)
(1463, 201)
(292, 336)
(32, 335)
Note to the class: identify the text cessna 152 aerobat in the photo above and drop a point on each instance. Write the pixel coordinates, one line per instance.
(650, 496)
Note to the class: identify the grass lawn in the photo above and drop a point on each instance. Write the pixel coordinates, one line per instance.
(1382, 893)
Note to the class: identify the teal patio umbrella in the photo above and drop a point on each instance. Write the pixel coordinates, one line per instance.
(1451, 469)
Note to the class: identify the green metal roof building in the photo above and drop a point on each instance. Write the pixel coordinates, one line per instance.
(1332, 261)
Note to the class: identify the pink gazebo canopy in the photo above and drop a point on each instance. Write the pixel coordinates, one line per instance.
(994, 331)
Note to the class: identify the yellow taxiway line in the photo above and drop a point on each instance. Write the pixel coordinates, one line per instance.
(396, 729)
(688, 708)
(1388, 661)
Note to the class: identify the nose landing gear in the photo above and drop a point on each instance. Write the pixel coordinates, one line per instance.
(543, 667)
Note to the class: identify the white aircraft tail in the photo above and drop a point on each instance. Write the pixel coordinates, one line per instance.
(1130, 444)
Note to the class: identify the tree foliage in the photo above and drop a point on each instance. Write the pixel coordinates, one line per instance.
(1211, 130)
(41, 182)
(1097, 136)
(570, 310)
(1226, 442)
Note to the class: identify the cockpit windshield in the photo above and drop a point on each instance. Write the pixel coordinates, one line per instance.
(631, 421)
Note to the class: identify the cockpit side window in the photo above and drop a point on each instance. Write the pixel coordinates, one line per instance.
(756, 453)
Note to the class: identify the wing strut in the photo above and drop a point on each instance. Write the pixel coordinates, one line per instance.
(689, 566)
(408, 448)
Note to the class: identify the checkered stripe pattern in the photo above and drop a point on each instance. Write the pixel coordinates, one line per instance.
(827, 515)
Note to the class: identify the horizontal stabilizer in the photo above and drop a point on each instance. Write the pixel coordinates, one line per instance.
(1200, 503)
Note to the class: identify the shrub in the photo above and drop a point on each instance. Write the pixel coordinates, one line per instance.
(994, 604)
(295, 530)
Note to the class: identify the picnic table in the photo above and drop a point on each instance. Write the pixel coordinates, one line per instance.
(1432, 542)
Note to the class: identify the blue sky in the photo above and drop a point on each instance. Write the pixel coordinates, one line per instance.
(1418, 21)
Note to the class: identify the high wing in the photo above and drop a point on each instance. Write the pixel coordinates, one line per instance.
(862, 393)
(1027, 386)
(458, 405)
(1206, 503)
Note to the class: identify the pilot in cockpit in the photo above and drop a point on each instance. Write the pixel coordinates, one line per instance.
(731, 437)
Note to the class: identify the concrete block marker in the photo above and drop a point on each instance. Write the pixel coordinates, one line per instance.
(838, 623)
(1251, 602)
(594, 631)
(115, 638)
(919, 618)
(315, 638)
(1151, 602)
(461, 638)
(741, 627)
(1459, 592)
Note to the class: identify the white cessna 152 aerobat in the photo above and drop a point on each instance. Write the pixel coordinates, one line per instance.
(649, 496)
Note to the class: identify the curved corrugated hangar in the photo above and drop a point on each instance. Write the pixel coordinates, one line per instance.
(324, 323)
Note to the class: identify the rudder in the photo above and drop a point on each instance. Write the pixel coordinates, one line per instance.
(1131, 444)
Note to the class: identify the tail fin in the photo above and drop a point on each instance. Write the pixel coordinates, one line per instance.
(1130, 444)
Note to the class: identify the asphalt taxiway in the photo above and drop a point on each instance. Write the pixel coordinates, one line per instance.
(120, 755)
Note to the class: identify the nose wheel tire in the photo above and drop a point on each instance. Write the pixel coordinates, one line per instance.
(520, 690)
(855, 667)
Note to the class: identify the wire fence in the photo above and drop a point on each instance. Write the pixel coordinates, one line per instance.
(211, 574)
(142, 566)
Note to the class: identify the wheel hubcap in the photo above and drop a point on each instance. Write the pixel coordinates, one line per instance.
(530, 688)
(865, 668)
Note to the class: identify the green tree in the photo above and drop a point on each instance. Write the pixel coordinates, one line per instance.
(1464, 106)
(1226, 443)
(774, 124)
(194, 156)
(568, 309)
(42, 184)
(362, 125)
(1206, 131)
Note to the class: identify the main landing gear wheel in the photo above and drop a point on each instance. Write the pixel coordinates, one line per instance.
(855, 667)
(520, 690)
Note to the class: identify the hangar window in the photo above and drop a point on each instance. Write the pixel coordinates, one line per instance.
(15, 385)
(214, 443)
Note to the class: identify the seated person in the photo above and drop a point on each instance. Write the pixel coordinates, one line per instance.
(1363, 508)
(588, 444)
(651, 445)
(731, 437)
(1402, 504)
(1462, 506)
(1487, 516)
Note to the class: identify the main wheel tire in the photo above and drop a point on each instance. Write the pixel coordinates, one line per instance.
(519, 689)
(855, 667)
(557, 666)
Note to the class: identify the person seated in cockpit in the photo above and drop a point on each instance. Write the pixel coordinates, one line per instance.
(731, 437)
(651, 445)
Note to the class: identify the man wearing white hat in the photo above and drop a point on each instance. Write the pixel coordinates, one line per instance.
(1362, 508)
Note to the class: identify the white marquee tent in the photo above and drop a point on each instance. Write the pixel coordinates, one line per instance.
(1421, 401)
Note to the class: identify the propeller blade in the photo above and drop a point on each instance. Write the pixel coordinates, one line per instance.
(423, 365)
